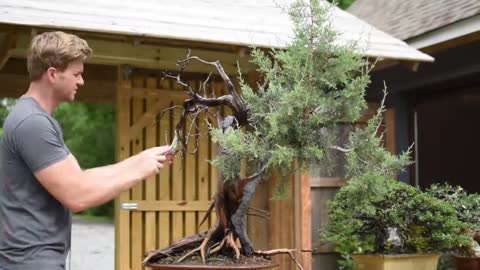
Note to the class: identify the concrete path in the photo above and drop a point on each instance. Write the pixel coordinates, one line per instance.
(93, 245)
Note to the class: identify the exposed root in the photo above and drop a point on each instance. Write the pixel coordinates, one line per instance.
(188, 254)
(202, 247)
(217, 247)
(228, 240)
(232, 244)
(182, 244)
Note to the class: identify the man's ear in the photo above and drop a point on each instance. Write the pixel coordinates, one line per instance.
(51, 74)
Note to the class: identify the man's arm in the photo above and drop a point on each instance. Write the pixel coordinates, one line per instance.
(80, 189)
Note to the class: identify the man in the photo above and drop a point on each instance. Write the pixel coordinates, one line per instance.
(40, 180)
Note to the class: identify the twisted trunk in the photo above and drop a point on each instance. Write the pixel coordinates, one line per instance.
(231, 204)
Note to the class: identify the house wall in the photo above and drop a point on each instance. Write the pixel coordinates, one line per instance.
(448, 143)
(443, 96)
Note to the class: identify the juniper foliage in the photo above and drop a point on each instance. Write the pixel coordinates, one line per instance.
(306, 90)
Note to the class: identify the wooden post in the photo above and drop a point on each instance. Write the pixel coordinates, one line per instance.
(137, 191)
(303, 217)
(151, 183)
(391, 132)
(122, 217)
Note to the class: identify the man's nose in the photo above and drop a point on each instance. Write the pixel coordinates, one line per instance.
(80, 81)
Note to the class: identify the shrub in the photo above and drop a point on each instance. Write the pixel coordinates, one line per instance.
(467, 209)
(373, 214)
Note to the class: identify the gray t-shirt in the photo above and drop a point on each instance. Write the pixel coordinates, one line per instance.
(35, 228)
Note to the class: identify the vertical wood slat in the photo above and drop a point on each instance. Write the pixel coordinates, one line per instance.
(151, 182)
(202, 163)
(190, 173)
(178, 225)
(164, 220)
(122, 217)
(137, 190)
(214, 172)
(282, 221)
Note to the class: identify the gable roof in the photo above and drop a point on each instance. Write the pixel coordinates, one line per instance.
(247, 22)
(406, 19)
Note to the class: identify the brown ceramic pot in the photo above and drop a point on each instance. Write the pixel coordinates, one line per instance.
(154, 266)
(466, 263)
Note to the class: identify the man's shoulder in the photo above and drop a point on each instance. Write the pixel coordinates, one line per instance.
(26, 114)
(16, 120)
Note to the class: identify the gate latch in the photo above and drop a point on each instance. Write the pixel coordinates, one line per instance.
(129, 206)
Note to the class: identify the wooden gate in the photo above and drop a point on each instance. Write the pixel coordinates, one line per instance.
(168, 206)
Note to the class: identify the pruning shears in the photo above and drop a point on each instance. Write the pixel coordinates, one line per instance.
(173, 147)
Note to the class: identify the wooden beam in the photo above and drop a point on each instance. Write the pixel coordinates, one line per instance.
(456, 42)
(96, 91)
(100, 82)
(321, 182)
(161, 57)
(9, 42)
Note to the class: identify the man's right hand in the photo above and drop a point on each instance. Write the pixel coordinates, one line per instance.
(150, 161)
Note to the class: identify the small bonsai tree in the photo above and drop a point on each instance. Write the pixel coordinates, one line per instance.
(376, 214)
(373, 214)
(305, 91)
(467, 209)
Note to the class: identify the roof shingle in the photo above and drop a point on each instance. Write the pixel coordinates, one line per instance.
(261, 23)
(405, 19)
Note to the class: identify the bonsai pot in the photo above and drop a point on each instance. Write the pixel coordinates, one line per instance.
(155, 266)
(396, 262)
(466, 263)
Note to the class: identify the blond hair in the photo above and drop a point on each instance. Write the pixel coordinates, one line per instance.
(55, 49)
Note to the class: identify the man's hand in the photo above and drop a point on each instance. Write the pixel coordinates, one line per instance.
(150, 161)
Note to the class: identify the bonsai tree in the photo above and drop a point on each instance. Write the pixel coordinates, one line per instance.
(305, 91)
(467, 209)
(373, 214)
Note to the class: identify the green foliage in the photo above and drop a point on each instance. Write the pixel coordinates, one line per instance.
(343, 4)
(467, 209)
(368, 154)
(307, 89)
(5, 106)
(373, 214)
(89, 133)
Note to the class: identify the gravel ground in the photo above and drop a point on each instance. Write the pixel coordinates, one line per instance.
(93, 245)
